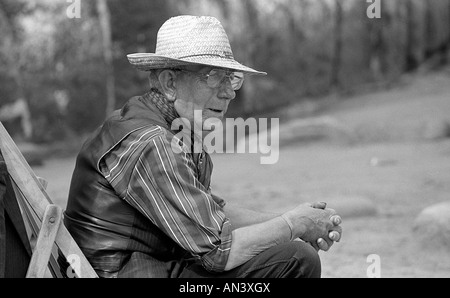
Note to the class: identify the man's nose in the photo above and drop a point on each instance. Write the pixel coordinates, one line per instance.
(226, 91)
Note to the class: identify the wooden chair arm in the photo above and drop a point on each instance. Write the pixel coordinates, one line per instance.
(45, 240)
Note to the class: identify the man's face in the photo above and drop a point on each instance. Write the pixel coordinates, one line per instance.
(194, 94)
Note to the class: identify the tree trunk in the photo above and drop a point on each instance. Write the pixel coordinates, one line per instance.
(105, 24)
(251, 15)
(336, 59)
(411, 56)
(14, 54)
(447, 55)
(13, 65)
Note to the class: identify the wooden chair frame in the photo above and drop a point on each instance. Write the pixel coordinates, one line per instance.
(55, 254)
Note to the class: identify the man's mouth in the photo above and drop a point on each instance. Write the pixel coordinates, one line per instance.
(216, 111)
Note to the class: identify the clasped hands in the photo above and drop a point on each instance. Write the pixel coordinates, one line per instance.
(316, 224)
(334, 232)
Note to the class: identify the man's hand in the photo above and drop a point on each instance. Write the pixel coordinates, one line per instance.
(333, 236)
(316, 224)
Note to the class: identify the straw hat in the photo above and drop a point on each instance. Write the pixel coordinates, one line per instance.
(185, 40)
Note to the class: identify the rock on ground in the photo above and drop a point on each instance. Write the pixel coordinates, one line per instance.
(432, 226)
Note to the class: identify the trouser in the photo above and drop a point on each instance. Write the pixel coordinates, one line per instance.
(290, 260)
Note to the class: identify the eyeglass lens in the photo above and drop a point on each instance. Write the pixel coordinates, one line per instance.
(215, 78)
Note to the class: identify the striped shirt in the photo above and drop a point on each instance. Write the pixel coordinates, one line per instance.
(165, 187)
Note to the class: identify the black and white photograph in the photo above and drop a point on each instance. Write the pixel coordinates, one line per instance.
(225, 144)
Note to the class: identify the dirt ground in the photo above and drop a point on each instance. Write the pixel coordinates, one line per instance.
(398, 159)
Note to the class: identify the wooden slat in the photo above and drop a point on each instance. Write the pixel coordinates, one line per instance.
(32, 226)
(44, 245)
(23, 175)
(37, 198)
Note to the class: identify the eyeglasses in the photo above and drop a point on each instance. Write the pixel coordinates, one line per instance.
(216, 76)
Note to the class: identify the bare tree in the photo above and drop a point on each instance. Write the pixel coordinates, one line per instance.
(337, 52)
(447, 56)
(11, 37)
(251, 16)
(105, 23)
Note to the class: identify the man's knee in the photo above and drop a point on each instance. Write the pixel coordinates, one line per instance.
(305, 260)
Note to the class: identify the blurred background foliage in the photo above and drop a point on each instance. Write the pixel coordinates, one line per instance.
(72, 72)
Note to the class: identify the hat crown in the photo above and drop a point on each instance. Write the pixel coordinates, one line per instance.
(190, 40)
(190, 36)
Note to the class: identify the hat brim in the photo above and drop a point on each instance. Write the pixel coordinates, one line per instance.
(149, 61)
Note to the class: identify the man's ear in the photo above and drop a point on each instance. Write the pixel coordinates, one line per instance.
(167, 79)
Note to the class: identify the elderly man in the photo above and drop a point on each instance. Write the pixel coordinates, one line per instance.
(139, 208)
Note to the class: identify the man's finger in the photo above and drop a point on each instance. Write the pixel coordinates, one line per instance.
(337, 229)
(319, 205)
(316, 247)
(323, 245)
(337, 232)
(335, 236)
(336, 220)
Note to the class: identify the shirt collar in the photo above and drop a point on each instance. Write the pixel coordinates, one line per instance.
(164, 106)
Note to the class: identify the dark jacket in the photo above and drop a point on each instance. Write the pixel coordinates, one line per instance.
(109, 231)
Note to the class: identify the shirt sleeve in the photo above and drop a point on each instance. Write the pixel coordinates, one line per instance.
(164, 186)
